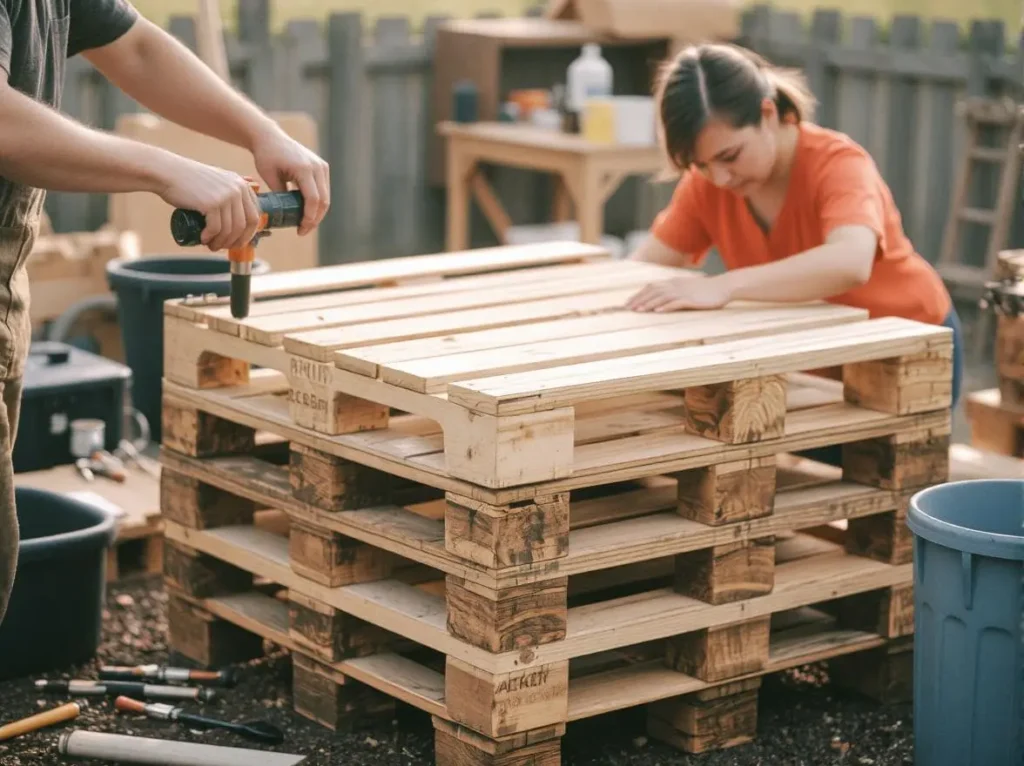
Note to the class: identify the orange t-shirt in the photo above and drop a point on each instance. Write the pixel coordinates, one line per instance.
(833, 182)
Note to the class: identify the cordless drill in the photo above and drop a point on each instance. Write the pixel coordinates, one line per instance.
(278, 210)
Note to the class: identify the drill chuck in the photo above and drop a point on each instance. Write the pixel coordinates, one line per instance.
(282, 209)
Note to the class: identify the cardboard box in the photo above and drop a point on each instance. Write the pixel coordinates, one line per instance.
(684, 21)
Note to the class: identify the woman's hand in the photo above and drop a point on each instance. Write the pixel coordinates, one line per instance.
(698, 292)
(280, 159)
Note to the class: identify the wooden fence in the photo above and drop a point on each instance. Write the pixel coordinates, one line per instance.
(892, 89)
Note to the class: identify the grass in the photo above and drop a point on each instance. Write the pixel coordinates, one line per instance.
(1008, 11)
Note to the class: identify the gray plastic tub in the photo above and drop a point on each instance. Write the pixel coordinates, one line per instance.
(968, 614)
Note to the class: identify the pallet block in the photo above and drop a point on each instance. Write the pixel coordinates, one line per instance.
(996, 425)
(511, 473)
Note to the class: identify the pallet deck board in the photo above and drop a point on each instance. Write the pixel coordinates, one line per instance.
(419, 459)
(788, 351)
(222, 320)
(615, 530)
(606, 625)
(271, 329)
(398, 270)
(392, 674)
(629, 335)
(651, 681)
(325, 345)
(810, 639)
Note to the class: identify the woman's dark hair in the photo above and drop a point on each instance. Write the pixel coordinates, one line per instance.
(724, 82)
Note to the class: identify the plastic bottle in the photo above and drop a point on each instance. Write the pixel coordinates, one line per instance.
(589, 76)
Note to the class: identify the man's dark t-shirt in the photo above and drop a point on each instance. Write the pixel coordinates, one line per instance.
(36, 39)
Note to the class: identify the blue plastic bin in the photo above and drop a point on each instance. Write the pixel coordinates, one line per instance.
(56, 611)
(968, 615)
(141, 287)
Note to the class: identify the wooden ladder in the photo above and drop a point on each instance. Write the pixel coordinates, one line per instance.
(979, 114)
(966, 280)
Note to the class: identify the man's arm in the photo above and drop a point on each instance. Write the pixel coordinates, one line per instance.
(42, 148)
(156, 70)
(184, 92)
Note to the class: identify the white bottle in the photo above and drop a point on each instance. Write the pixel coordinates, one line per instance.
(589, 76)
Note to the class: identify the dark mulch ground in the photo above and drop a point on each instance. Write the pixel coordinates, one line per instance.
(802, 723)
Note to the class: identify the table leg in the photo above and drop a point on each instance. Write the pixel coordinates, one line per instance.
(459, 175)
(590, 188)
(489, 203)
(589, 202)
(562, 203)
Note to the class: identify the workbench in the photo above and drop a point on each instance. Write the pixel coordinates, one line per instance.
(138, 546)
(587, 173)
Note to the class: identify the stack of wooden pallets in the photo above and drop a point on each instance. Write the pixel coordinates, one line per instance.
(996, 415)
(504, 499)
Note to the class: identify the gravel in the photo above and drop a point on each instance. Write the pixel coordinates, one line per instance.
(802, 720)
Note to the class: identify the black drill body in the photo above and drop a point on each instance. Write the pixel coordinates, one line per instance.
(278, 210)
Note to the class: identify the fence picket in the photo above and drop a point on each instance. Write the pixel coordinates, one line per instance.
(370, 93)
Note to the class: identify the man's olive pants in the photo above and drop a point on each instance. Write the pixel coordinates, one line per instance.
(9, 537)
(19, 226)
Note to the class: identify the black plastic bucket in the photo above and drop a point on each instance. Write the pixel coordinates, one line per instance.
(55, 616)
(141, 287)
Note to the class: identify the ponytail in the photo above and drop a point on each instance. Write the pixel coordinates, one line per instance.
(793, 97)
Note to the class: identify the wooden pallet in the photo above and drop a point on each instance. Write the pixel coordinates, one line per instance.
(996, 425)
(460, 466)
(346, 668)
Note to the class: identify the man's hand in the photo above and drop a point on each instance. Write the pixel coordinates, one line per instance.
(160, 73)
(280, 159)
(699, 292)
(225, 198)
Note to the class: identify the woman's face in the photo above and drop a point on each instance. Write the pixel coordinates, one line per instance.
(738, 159)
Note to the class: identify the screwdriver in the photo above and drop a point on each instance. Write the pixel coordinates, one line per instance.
(257, 730)
(278, 210)
(168, 674)
(127, 688)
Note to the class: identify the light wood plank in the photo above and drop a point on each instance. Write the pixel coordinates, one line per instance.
(460, 344)
(270, 330)
(555, 387)
(322, 344)
(431, 375)
(392, 270)
(221, 320)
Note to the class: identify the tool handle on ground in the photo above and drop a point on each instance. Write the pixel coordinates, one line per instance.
(283, 210)
(129, 705)
(141, 691)
(226, 677)
(38, 721)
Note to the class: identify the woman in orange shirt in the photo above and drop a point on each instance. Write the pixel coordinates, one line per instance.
(797, 212)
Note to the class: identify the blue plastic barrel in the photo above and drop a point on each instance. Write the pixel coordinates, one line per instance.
(55, 616)
(141, 286)
(968, 615)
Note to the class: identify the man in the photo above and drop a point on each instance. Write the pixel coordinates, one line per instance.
(40, 150)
